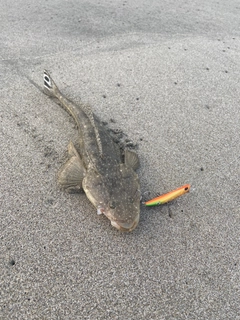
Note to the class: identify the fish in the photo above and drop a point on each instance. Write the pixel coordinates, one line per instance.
(164, 198)
(107, 176)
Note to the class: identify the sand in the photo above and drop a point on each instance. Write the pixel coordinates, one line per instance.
(168, 74)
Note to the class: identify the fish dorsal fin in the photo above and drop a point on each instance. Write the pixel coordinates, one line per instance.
(131, 159)
(89, 113)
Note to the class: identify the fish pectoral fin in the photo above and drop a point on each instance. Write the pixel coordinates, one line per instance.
(131, 159)
(71, 175)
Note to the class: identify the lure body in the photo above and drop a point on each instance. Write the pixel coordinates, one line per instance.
(164, 198)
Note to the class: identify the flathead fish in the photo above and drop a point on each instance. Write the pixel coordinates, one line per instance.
(109, 182)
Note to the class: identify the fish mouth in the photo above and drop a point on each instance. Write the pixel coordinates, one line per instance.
(125, 226)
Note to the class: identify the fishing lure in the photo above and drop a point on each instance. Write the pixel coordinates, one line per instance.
(164, 198)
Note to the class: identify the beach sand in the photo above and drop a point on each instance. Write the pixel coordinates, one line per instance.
(169, 77)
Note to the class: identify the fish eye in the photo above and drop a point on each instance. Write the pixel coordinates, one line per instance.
(112, 205)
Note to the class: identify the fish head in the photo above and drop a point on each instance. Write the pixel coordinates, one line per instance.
(115, 194)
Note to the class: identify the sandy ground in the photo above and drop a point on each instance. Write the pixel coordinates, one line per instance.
(168, 73)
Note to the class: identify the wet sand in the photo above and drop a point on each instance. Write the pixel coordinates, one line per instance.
(168, 76)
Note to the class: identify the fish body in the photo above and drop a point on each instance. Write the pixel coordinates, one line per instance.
(164, 198)
(111, 184)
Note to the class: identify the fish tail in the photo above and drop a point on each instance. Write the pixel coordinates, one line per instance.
(50, 87)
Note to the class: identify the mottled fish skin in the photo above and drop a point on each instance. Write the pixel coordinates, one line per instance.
(110, 184)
